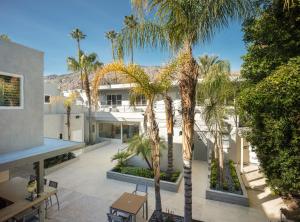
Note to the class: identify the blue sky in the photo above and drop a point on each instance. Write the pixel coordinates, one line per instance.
(45, 25)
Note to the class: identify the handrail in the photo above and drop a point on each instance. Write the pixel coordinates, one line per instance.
(201, 135)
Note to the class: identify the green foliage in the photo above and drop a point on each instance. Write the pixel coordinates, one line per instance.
(272, 108)
(272, 38)
(214, 174)
(50, 162)
(147, 173)
(4, 37)
(234, 176)
(121, 157)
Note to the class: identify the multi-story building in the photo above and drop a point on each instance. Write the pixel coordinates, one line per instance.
(22, 141)
(117, 120)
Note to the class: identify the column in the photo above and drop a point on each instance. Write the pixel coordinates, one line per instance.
(40, 187)
(121, 132)
(242, 155)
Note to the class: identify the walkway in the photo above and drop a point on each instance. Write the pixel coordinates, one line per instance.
(85, 193)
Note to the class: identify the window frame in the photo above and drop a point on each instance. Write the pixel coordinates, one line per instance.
(118, 102)
(21, 91)
(45, 99)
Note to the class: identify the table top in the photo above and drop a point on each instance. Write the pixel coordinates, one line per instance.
(130, 203)
(15, 190)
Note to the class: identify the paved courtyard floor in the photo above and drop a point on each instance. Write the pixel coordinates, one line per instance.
(85, 194)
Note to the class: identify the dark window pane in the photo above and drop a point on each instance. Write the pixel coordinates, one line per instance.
(47, 99)
(10, 91)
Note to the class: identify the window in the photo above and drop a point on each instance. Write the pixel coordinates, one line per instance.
(11, 87)
(109, 130)
(47, 99)
(140, 100)
(113, 100)
(130, 130)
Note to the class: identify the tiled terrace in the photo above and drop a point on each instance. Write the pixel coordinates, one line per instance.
(85, 193)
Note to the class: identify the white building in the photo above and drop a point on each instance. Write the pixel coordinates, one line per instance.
(117, 121)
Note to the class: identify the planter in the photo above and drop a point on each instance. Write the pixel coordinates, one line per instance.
(60, 165)
(170, 218)
(227, 197)
(164, 185)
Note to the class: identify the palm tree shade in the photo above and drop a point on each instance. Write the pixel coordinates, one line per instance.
(180, 25)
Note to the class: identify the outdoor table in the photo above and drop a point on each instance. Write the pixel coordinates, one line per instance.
(15, 190)
(131, 204)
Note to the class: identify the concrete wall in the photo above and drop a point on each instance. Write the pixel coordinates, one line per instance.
(23, 128)
(54, 125)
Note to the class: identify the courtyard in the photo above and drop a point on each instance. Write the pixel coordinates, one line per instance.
(86, 195)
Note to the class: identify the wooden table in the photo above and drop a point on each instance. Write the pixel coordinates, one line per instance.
(15, 190)
(131, 204)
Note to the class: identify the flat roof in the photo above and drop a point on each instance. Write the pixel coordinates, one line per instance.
(50, 148)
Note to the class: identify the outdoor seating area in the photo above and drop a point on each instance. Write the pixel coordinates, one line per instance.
(24, 202)
(129, 204)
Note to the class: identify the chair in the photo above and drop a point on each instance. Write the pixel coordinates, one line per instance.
(32, 216)
(142, 188)
(54, 185)
(117, 218)
(32, 177)
(45, 181)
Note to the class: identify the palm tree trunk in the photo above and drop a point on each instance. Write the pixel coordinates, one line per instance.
(221, 158)
(69, 122)
(169, 120)
(154, 138)
(148, 163)
(88, 95)
(187, 83)
(81, 75)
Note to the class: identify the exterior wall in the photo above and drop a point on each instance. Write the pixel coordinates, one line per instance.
(54, 125)
(22, 128)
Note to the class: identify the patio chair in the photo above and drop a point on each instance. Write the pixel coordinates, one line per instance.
(142, 188)
(45, 181)
(54, 185)
(118, 218)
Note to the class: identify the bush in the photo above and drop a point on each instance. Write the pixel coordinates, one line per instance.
(234, 176)
(213, 174)
(272, 107)
(147, 173)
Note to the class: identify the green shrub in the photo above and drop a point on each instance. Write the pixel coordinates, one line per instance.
(213, 174)
(234, 176)
(147, 173)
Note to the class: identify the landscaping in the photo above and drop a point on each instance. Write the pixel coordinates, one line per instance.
(147, 173)
(169, 217)
(230, 182)
(50, 162)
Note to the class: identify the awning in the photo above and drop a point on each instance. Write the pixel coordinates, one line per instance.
(50, 148)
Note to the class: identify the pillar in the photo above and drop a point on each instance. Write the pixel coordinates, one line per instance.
(121, 132)
(40, 187)
(242, 155)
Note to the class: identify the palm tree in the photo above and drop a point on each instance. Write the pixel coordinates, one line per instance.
(213, 93)
(68, 102)
(4, 37)
(78, 35)
(112, 36)
(150, 89)
(181, 25)
(130, 23)
(87, 64)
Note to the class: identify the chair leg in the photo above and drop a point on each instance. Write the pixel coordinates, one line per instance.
(57, 201)
(51, 201)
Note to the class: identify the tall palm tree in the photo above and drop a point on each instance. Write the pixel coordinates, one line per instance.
(213, 92)
(4, 37)
(112, 36)
(181, 25)
(87, 64)
(150, 89)
(78, 35)
(68, 102)
(130, 23)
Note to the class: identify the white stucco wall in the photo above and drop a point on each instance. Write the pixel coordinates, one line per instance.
(23, 128)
